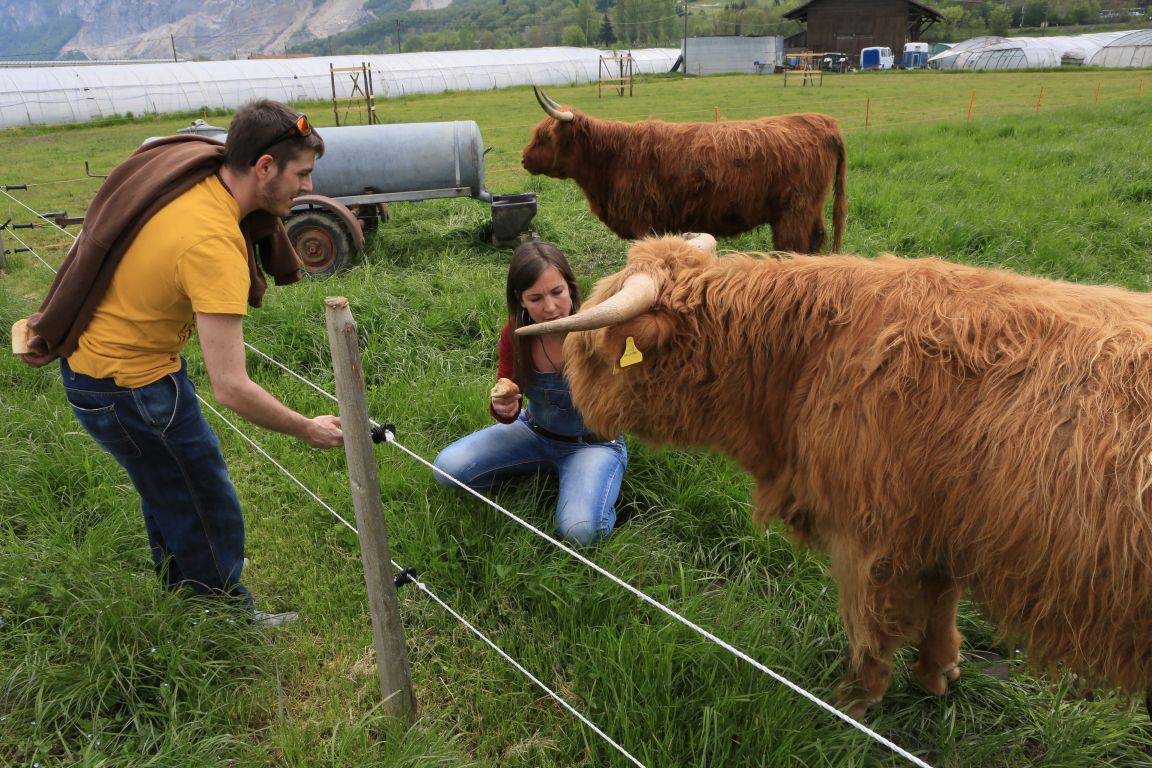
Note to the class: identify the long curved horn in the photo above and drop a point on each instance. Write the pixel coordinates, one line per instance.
(634, 298)
(552, 108)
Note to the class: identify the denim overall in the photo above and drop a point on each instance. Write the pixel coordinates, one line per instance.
(590, 469)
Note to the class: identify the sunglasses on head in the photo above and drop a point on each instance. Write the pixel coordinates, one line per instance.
(300, 127)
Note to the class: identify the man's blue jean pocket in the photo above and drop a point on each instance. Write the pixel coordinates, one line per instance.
(103, 424)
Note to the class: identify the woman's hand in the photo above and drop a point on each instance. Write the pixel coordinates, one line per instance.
(506, 407)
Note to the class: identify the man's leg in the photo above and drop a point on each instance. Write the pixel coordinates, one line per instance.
(191, 510)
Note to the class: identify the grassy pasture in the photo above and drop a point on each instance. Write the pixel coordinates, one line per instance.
(99, 667)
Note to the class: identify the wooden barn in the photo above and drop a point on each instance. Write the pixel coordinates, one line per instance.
(847, 26)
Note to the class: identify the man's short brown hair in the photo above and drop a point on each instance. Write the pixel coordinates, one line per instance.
(258, 123)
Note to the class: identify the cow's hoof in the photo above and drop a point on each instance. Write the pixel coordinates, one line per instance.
(936, 681)
(854, 702)
(858, 709)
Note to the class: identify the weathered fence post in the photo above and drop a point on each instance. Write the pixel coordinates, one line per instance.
(387, 630)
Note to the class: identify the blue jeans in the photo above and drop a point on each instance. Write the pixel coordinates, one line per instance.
(590, 473)
(191, 512)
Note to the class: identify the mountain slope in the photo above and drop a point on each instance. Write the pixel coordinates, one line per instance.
(112, 29)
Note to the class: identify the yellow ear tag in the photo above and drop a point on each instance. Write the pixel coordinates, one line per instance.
(631, 355)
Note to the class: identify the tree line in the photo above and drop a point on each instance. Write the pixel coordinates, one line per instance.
(489, 24)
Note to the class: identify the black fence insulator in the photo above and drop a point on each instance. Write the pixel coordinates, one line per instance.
(406, 576)
(15, 186)
(379, 432)
(22, 226)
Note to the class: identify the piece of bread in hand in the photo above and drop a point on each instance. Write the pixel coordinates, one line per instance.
(505, 388)
(20, 335)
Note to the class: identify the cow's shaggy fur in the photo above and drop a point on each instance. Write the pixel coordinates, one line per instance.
(654, 177)
(935, 428)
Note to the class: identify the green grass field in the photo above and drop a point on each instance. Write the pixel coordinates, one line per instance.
(100, 667)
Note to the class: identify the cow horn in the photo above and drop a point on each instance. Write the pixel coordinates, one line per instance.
(552, 108)
(635, 297)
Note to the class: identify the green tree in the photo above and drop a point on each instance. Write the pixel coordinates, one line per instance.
(1034, 12)
(574, 37)
(999, 21)
(959, 24)
(586, 18)
(607, 34)
(1084, 12)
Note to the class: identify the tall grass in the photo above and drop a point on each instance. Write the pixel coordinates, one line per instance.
(99, 666)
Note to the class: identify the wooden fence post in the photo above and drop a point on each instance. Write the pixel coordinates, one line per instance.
(387, 630)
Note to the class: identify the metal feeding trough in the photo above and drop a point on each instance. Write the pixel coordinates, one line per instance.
(510, 217)
(365, 167)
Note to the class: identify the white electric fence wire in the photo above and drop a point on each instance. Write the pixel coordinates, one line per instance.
(266, 455)
(530, 676)
(34, 212)
(30, 250)
(672, 614)
(391, 439)
(291, 372)
(429, 592)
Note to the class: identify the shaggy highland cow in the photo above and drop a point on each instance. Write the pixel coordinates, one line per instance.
(653, 178)
(937, 429)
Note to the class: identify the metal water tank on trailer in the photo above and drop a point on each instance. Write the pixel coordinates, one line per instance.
(402, 159)
(365, 167)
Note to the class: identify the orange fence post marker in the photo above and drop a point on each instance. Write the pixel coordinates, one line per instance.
(971, 102)
(867, 111)
(1039, 99)
(1097, 101)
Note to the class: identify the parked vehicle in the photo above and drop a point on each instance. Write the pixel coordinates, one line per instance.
(834, 62)
(915, 56)
(877, 57)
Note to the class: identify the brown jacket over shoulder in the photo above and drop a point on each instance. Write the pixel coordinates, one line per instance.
(152, 176)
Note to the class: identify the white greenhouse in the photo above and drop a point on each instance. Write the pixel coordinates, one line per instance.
(1042, 52)
(1133, 49)
(77, 93)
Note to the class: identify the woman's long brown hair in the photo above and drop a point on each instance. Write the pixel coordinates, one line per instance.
(529, 261)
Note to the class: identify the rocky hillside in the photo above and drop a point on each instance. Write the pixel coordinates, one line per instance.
(214, 29)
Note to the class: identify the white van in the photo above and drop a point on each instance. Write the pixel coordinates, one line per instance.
(877, 57)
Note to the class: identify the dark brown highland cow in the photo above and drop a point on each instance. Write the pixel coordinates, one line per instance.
(653, 178)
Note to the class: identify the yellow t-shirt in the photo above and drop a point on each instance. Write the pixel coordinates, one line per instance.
(190, 257)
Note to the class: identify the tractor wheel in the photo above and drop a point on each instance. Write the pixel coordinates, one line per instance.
(323, 243)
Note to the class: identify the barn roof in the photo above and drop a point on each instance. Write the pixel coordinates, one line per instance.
(800, 13)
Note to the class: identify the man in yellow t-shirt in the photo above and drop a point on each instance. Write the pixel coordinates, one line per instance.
(186, 270)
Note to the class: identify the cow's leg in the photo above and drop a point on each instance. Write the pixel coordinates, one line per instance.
(868, 597)
(791, 233)
(799, 232)
(816, 236)
(939, 646)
